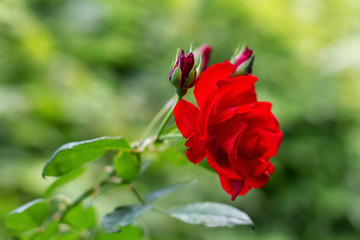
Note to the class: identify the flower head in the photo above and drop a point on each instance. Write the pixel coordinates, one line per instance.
(237, 134)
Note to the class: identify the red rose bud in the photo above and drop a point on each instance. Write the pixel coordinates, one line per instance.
(183, 72)
(243, 60)
(202, 56)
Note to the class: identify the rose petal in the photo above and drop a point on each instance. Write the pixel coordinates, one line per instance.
(261, 118)
(264, 127)
(227, 132)
(206, 83)
(238, 186)
(249, 147)
(225, 98)
(196, 151)
(258, 181)
(186, 115)
(186, 65)
(272, 141)
(239, 91)
(230, 112)
(271, 169)
(218, 160)
(232, 187)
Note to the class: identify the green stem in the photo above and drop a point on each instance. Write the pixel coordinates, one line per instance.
(165, 121)
(147, 131)
(86, 194)
(157, 117)
(102, 194)
(137, 195)
(170, 136)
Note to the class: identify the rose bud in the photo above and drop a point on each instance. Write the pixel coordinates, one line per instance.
(243, 60)
(183, 72)
(202, 55)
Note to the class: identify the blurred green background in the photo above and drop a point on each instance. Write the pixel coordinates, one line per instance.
(72, 70)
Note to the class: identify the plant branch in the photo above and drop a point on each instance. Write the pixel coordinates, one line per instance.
(165, 121)
(158, 116)
(170, 136)
(87, 194)
(132, 188)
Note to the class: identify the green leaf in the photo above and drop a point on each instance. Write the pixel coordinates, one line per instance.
(63, 180)
(67, 236)
(129, 232)
(20, 222)
(126, 166)
(81, 218)
(123, 216)
(145, 165)
(73, 155)
(153, 196)
(210, 214)
(49, 231)
(28, 216)
(173, 152)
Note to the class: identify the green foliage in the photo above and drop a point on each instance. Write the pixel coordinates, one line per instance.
(67, 236)
(48, 232)
(122, 217)
(80, 217)
(173, 151)
(126, 165)
(153, 196)
(73, 155)
(210, 214)
(129, 232)
(68, 177)
(28, 216)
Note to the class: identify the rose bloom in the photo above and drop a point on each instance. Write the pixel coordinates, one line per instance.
(236, 133)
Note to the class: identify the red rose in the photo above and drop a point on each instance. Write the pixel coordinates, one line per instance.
(236, 133)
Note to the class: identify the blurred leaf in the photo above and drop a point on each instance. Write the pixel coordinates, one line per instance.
(81, 218)
(73, 155)
(210, 214)
(144, 165)
(129, 232)
(126, 166)
(28, 216)
(67, 236)
(20, 222)
(123, 216)
(153, 196)
(173, 152)
(49, 231)
(63, 180)
(58, 203)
